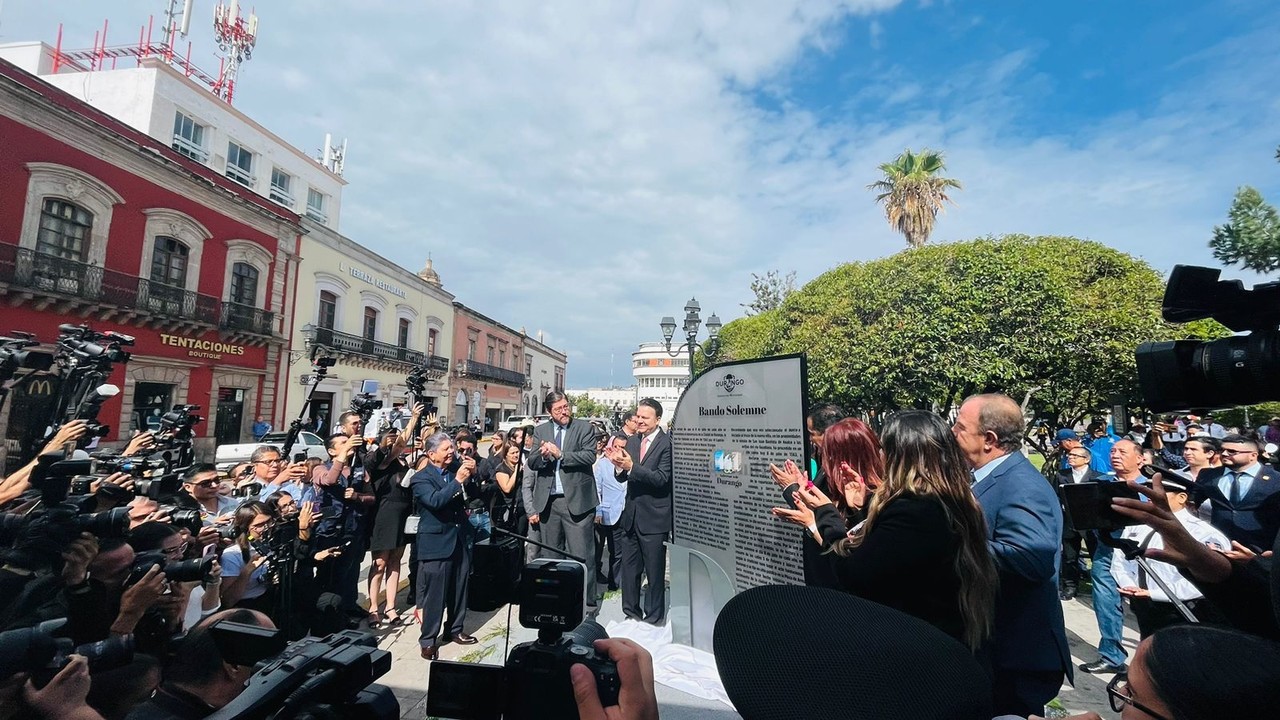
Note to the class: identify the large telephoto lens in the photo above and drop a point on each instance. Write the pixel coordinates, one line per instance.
(1187, 374)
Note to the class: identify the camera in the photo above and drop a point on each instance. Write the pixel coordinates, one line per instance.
(534, 682)
(335, 672)
(194, 570)
(364, 404)
(1236, 370)
(37, 651)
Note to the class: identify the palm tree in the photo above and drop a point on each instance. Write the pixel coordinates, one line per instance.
(913, 193)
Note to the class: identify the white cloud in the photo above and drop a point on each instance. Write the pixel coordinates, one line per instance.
(584, 168)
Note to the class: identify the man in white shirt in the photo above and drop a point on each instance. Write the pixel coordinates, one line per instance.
(613, 498)
(1151, 606)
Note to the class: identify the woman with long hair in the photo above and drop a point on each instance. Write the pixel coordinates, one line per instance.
(922, 548)
(244, 569)
(386, 470)
(507, 508)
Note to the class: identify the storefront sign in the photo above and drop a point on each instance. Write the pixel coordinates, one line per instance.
(205, 349)
(376, 282)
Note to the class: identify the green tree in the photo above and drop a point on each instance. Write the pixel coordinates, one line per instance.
(1251, 236)
(913, 193)
(1054, 319)
(770, 290)
(585, 407)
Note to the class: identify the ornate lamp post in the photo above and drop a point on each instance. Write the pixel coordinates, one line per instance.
(691, 324)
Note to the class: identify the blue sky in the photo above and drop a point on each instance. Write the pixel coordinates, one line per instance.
(583, 168)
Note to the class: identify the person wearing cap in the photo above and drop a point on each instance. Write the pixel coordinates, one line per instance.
(1213, 428)
(1148, 601)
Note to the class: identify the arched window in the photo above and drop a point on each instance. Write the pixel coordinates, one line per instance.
(65, 230)
(169, 262)
(431, 341)
(370, 324)
(328, 313)
(244, 284)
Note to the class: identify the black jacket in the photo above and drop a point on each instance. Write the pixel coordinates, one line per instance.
(648, 483)
(907, 561)
(1063, 477)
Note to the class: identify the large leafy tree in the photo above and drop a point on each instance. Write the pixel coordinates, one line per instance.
(1251, 236)
(913, 192)
(1054, 319)
(770, 290)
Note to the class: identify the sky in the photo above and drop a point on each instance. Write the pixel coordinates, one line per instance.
(583, 168)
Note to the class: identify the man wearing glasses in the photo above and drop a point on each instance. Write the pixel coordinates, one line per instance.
(201, 483)
(275, 474)
(1244, 495)
(1077, 458)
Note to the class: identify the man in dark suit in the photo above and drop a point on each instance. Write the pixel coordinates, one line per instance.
(645, 466)
(1244, 495)
(442, 514)
(1029, 652)
(560, 490)
(1077, 458)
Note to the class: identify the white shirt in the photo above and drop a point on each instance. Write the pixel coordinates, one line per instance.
(1125, 571)
(1078, 474)
(611, 493)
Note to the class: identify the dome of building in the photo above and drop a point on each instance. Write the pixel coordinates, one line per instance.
(429, 274)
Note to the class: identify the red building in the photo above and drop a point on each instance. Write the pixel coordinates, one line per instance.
(488, 368)
(101, 224)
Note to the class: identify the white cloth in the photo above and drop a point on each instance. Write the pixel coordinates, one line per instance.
(680, 667)
(1125, 571)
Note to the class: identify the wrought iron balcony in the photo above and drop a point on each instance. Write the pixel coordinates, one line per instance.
(357, 345)
(480, 370)
(435, 363)
(174, 302)
(246, 318)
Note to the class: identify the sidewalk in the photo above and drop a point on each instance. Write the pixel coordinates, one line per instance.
(408, 675)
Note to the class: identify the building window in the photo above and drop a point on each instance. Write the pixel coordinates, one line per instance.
(244, 284)
(528, 366)
(370, 323)
(188, 137)
(169, 262)
(431, 341)
(315, 205)
(64, 230)
(280, 181)
(240, 164)
(502, 357)
(403, 336)
(328, 310)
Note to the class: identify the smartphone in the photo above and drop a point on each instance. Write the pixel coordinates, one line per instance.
(789, 494)
(300, 457)
(1089, 505)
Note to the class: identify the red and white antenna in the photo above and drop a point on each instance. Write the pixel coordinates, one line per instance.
(236, 37)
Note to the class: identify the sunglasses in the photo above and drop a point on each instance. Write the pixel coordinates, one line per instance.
(206, 483)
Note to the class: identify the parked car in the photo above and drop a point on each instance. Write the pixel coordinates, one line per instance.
(515, 421)
(310, 443)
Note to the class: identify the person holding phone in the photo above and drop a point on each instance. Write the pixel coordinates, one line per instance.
(244, 569)
(442, 514)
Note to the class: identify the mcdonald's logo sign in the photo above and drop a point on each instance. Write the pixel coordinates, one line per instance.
(42, 387)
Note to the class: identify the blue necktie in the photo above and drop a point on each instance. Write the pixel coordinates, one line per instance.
(1235, 488)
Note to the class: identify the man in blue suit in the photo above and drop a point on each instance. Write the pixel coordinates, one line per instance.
(442, 527)
(1029, 652)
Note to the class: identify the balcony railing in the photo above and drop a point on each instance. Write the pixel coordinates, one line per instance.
(190, 149)
(174, 302)
(438, 364)
(492, 373)
(357, 345)
(246, 318)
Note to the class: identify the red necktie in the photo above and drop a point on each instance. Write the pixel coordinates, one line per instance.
(644, 447)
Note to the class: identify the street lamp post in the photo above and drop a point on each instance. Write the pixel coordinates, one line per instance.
(691, 323)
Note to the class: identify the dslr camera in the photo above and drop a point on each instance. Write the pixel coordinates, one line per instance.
(1230, 371)
(38, 650)
(364, 404)
(534, 682)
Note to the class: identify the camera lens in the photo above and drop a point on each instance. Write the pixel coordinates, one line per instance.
(1238, 370)
(587, 633)
(193, 570)
(109, 524)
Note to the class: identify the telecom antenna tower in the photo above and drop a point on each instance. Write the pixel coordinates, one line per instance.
(236, 37)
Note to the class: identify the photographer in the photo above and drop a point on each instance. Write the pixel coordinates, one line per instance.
(203, 597)
(389, 474)
(274, 473)
(19, 482)
(244, 570)
(343, 497)
(200, 482)
(198, 681)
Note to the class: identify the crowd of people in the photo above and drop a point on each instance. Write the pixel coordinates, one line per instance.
(946, 521)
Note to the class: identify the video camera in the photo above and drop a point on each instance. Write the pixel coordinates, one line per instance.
(1236, 370)
(336, 673)
(534, 682)
(363, 405)
(37, 651)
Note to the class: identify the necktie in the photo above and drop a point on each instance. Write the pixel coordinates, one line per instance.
(644, 447)
(559, 437)
(1235, 488)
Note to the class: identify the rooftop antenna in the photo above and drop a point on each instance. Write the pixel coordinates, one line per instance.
(334, 158)
(236, 37)
(176, 22)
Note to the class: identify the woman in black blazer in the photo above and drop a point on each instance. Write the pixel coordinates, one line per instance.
(922, 548)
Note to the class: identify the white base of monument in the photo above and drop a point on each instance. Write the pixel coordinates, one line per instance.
(679, 667)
